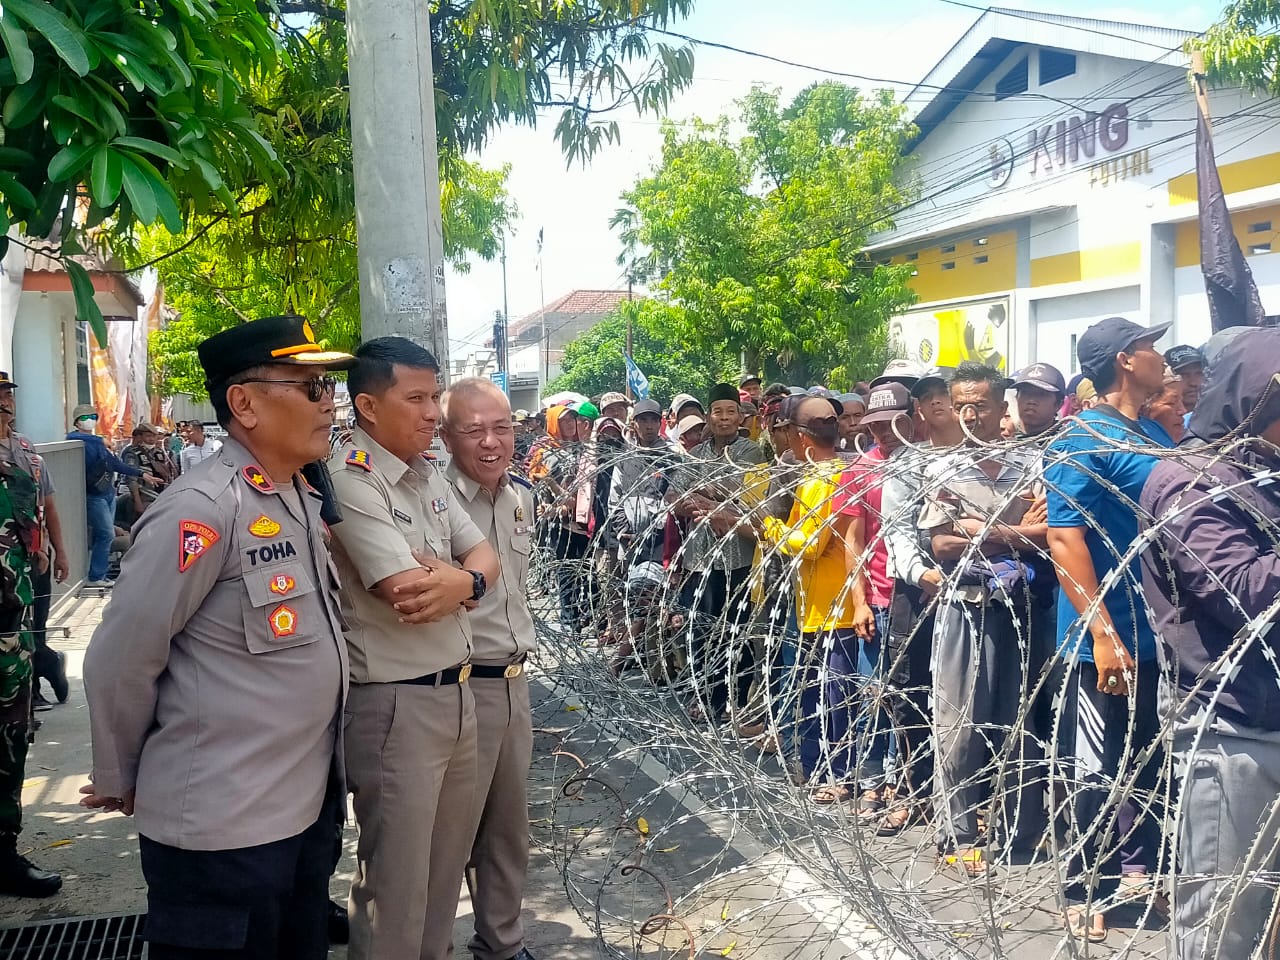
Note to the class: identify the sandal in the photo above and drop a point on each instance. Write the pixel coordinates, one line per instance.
(827, 795)
(970, 860)
(870, 803)
(897, 820)
(1075, 920)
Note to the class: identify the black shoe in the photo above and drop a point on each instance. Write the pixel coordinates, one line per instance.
(524, 954)
(339, 924)
(57, 677)
(39, 702)
(19, 877)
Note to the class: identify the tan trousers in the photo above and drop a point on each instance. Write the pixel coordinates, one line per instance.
(500, 853)
(411, 765)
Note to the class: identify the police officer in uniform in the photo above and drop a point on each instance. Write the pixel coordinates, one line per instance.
(21, 557)
(215, 713)
(476, 428)
(411, 721)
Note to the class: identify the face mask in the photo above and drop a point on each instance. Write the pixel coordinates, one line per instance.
(85, 426)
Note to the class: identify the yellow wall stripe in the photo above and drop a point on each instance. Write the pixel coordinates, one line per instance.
(1112, 261)
(1238, 176)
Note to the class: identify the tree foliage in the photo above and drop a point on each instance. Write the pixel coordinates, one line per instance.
(593, 361)
(175, 111)
(755, 226)
(1243, 47)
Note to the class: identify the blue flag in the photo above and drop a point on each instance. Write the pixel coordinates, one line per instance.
(636, 379)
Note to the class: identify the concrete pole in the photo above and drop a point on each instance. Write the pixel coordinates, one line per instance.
(397, 174)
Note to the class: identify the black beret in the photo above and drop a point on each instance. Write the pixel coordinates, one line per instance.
(285, 339)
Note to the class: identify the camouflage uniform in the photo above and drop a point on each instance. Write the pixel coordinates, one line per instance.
(19, 543)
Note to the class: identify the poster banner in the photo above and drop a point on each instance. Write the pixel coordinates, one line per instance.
(946, 337)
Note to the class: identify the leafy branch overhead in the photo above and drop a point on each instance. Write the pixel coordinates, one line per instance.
(119, 114)
(1243, 47)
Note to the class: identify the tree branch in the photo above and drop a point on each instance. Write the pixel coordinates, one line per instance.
(222, 298)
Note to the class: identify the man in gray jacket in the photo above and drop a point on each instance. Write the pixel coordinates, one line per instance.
(1211, 577)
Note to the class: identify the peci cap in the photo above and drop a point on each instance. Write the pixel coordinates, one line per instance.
(5, 382)
(1098, 346)
(285, 339)
(723, 391)
(1042, 376)
(1180, 357)
(901, 371)
(887, 401)
(643, 407)
(612, 397)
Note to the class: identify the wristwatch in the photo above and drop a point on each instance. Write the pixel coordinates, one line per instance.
(477, 578)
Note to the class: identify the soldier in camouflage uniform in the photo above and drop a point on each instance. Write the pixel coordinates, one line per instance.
(20, 524)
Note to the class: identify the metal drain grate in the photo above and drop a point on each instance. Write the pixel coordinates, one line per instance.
(116, 937)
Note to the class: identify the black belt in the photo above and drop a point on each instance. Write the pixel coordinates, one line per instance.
(444, 678)
(500, 672)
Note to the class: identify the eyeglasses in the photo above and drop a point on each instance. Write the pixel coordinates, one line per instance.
(317, 388)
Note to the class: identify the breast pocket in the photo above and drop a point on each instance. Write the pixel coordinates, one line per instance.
(278, 608)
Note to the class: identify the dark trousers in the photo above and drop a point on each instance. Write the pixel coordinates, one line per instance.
(1124, 838)
(910, 649)
(722, 659)
(44, 660)
(574, 579)
(268, 902)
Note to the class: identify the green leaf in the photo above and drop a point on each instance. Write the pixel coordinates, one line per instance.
(66, 163)
(15, 194)
(15, 41)
(64, 36)
(143, 145)
(137, 186)
(86, 308)
(107, 176)
(23, 105)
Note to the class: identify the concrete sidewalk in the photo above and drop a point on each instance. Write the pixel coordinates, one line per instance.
(97, 854)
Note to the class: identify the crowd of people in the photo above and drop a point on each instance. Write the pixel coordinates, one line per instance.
(990, 605)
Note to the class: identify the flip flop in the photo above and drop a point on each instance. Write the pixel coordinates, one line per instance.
(1075, 919)
(827, 795)
(971, 861)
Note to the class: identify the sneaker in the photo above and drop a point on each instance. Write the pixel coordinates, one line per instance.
(100, 584)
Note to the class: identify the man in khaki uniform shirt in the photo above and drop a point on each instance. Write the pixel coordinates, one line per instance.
(410, 724)
(216, 680)
(478, 433)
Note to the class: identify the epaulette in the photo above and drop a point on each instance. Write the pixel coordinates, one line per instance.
(359, 458)
(522, 481)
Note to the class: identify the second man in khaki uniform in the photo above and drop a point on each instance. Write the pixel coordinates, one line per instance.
(478, 432)
(411, 722)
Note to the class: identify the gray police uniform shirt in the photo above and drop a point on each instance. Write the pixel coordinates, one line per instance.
(217, 677)
(389, 509)
(501, 625)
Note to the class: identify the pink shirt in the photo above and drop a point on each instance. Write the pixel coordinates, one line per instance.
(859, 495)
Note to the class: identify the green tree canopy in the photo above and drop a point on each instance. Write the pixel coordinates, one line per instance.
(1243, 47)
(755, 225)
(593, 362)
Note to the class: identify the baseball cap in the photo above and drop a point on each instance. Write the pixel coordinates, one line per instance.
(899, 371)
(1098, 346)
(82, 411)
(887, 401)
(585, 409)
(748, 408)
(681, 400)
(646, 406)
(852, 398)
(284, 339)
(612, 397)
(1182, 356)
(1043, 376)
(749, 378)
(930, 379)
(692, 420)
(144, 427)
(775, 390)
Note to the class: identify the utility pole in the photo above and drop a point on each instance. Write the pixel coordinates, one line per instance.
(397, 174)
(630, 281)
(504, 360)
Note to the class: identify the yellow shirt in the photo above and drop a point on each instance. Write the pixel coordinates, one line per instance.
(808, 537)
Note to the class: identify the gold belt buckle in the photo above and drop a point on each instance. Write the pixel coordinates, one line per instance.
(513, 670)
(464, 673)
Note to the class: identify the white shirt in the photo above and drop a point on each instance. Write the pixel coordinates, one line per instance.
(191, 454)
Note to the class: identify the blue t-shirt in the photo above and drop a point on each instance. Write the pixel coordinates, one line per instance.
(1097, 487)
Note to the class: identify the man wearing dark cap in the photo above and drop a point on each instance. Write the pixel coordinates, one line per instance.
(718, 552)
(1039, 388)
(1189, 364)
(142, 454)
(216, 715)
(1094, 472)
(752, 385)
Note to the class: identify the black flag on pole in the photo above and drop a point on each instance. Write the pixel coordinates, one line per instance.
(1228, 281)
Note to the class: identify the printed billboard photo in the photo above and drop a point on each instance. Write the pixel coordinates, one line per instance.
(947, 337)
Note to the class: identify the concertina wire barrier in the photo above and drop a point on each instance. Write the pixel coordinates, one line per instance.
(676, 807)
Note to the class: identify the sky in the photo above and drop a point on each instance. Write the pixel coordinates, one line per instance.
(898, 41)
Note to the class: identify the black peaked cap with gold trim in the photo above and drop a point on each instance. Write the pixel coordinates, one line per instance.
(285, 339)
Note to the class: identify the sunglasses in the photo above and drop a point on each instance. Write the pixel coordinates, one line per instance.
(317, 388)
(87, 416)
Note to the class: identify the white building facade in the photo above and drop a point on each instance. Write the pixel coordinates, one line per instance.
(1056, 186)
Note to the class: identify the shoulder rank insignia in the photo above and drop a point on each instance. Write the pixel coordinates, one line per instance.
(360, 458)
(264, 527)
(194, 538)
(256, 478)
